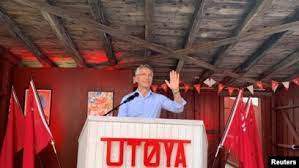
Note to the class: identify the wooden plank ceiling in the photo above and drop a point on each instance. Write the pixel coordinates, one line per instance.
(233, 41)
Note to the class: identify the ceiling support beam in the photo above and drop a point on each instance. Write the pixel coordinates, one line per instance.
(193, 29)
(96, 7)
(259, 7)
(284, 63)
(17, 32)
(64, 37)
(148, 17)
(260, 53)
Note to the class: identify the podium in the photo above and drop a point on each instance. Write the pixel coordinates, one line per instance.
(134, 142)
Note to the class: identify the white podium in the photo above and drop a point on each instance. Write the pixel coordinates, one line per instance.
(134, 142)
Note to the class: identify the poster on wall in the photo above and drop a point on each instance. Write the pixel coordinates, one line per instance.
(99, 103)
(45, 99)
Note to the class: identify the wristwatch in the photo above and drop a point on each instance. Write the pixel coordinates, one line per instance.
(175, 91)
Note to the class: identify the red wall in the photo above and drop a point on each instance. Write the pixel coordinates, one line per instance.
(69, 105)
(69, 102)
(281, 132)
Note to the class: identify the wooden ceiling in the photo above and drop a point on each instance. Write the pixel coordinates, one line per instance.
(233, 41)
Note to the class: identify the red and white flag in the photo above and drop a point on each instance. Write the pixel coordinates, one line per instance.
(274, 85)
(251, 89)
(286, 84)
(13, 139)
(251, 155)
(38, 134)
(230, 139)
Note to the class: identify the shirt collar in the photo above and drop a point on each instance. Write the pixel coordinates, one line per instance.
(148, 94)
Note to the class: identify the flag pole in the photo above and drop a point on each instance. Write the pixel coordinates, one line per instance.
(55, 151)
(231, 115)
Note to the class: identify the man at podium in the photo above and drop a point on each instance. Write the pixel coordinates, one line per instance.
(147, 104)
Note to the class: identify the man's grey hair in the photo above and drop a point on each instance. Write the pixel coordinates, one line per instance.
(141, 67)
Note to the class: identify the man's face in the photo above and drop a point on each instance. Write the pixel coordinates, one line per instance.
(144, 78)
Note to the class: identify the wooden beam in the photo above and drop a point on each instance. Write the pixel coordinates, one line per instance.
(193, 29)
(15, 31)
(284, 63)
(286, 107)
(290, 126)
(261, 51)
(81, 18)
(223, 51)
(148, 10)
(292, 76)
(96, 8)
(64, 37)
(10, 57)
(165, 52)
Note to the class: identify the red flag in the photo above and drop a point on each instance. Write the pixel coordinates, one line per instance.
(38, 134)
(154, 88)
(259, 84)
(230, 90)
(274, 85)
(230, 139)
(197, 87)
(186, 87)
(164, 87)
(13, 139)
(220, 88)
(296, 81)
(251, 151)
(232, 142)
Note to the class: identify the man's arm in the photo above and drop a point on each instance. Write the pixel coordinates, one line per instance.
(174, 85)
(173, 106)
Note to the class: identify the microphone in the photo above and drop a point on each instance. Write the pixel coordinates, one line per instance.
(130, 98)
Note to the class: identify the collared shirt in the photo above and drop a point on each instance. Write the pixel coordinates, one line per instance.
(149, 106)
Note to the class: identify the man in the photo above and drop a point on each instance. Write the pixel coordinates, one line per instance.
(149, 104)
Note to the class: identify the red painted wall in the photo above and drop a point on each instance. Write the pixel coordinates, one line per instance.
(281, 132)
(69, 105)
(69, 102)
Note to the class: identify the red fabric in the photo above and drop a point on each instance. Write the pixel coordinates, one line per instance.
(197, 87)
(13, 139)
(230, 90)
(37, 136)
(232, 141)
(296, 81)
(251, 151)
(220, 88)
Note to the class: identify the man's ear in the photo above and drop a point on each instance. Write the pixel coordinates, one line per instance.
(134, 79)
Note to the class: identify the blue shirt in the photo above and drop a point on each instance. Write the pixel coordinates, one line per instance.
(149, 106)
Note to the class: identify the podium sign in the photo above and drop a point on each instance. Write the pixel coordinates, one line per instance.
(134, 142)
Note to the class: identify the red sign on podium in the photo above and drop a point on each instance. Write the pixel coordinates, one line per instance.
(151, 151)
